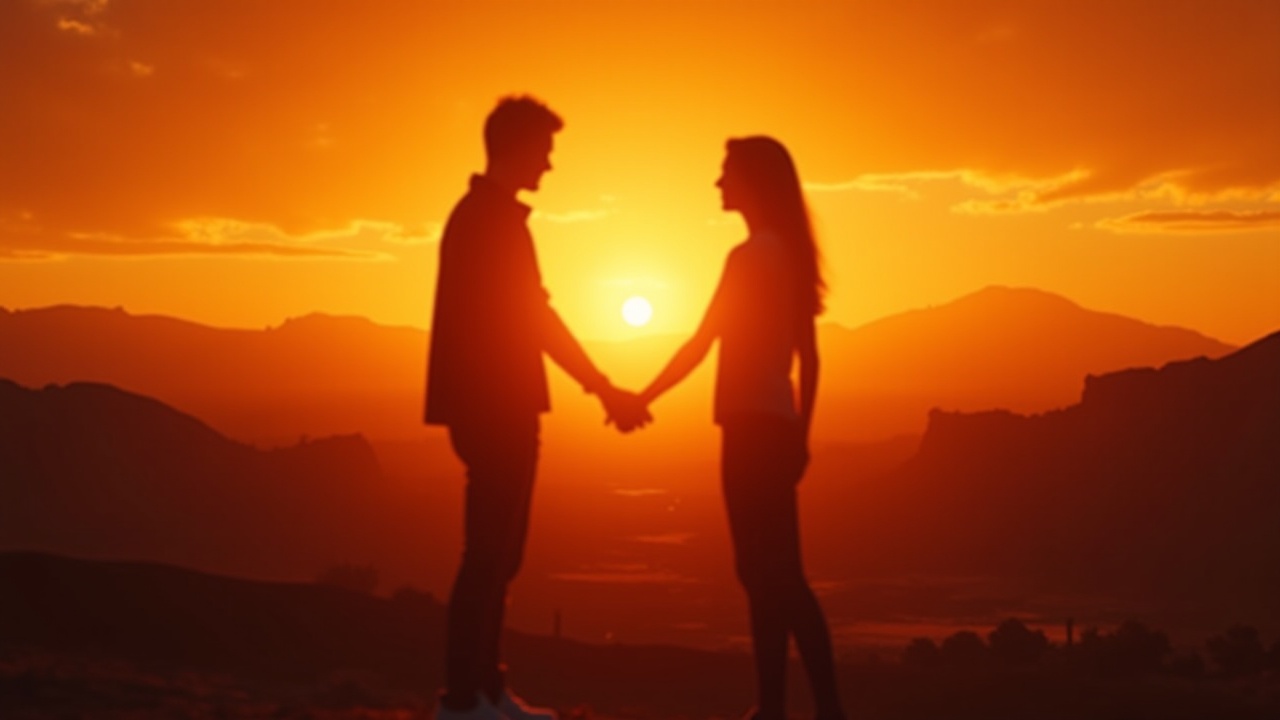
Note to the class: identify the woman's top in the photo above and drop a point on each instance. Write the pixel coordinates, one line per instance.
(757, 313)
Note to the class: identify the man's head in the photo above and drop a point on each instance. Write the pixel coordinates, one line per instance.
(518, 141)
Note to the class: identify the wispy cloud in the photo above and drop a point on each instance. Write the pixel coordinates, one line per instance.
(79, 17)
(76, 27)
(12, 255)
(1193, 221)
(1179, 187)
(864, 183)
(219, 232)
(1017, 189)
(115, 246)
(1014, 194)
(428, 233)
(363, 240)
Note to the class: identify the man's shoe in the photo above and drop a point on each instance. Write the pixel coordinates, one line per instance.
(513, 708)
(482, 710)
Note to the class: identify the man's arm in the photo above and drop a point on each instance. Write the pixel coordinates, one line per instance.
(567, 352)
(621, 407)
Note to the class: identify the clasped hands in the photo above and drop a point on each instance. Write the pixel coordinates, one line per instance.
(624, 409)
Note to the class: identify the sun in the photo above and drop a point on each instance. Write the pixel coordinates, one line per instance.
(637, 311)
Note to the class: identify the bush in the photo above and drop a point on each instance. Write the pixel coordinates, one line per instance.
(1133, 649)
(963, 648)
(1011, 642)
(1238, 652)
(1188, 665)
(922, 652)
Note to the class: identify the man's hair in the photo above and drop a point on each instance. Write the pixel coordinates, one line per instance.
(516, 121)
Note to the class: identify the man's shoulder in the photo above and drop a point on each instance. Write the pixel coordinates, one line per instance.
(470, 217)
(470, 205)
(481, 210)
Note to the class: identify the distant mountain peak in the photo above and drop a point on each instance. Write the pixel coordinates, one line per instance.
(1005, 294)
(93, 402)
(1019, 314)
(320, 320)
(1265, 350)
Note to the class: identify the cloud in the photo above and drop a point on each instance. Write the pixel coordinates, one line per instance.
(1173, 187)
(1004, 194)
(362, 240)
(217, 231)
(76, 27)
(12, 255)
(1193, 221)
(79, 17)
(1000, 88)
(1021, 192)
(379, 231)
(1012, 194)
(1023, 98)
(118, 247)
(884, 182)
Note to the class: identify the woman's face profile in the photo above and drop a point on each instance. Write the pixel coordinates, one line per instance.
(730, 184)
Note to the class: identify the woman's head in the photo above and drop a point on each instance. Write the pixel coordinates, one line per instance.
(759, 180)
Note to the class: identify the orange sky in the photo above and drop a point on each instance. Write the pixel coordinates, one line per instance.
(238, 162)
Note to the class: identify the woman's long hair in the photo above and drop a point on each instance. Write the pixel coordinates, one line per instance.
(773, 188)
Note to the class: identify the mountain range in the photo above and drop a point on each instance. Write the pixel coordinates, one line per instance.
(1020, 349)
(1157, 481)
(1160, 489)
(91, 470)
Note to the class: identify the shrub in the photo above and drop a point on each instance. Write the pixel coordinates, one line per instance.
(963, 648)
(1013, 643)
(921, 652)
(1238, 651)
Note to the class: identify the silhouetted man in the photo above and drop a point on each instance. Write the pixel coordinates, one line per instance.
(487, 383)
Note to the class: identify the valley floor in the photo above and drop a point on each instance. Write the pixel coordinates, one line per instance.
(39, 685)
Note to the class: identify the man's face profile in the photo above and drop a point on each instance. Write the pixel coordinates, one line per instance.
(531, 161)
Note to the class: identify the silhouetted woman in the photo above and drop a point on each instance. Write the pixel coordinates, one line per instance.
(763, 313)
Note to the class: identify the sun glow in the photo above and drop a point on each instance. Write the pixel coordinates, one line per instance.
(637, 311)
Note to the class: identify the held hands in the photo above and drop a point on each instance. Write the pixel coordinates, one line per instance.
(625, 410)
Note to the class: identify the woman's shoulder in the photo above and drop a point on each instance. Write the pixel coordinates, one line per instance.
(766, 248)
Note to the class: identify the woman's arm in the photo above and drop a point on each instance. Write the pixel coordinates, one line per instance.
(807, 347)
(680, 365)
(695, 348)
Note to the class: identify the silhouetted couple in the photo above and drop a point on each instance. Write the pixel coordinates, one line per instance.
(486, 382)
